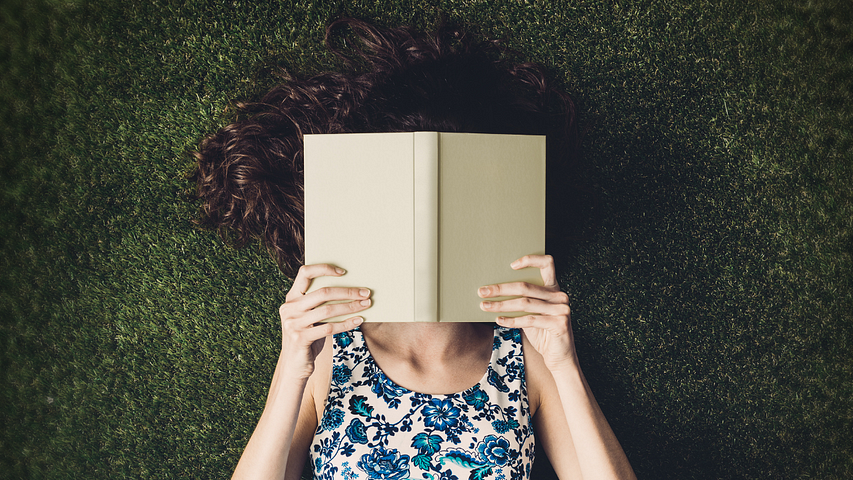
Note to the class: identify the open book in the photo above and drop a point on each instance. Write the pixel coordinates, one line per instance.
(424, 219)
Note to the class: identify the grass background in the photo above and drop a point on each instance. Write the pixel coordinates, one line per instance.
(712, 302)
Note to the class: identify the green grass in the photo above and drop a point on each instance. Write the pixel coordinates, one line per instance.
(712, 303)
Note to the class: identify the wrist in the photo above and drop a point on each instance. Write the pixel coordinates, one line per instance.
(291, 372)
(564, 366)
(285, 386)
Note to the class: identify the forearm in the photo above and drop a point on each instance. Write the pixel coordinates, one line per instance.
(598, 451)
(265, 456)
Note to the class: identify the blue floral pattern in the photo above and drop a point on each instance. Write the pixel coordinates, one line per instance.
(373, 428)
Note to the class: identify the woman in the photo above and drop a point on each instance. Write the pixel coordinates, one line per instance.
(395, 400)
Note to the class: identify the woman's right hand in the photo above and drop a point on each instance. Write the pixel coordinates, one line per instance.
(302, 334)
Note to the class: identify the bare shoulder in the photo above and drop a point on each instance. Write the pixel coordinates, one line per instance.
(310, 412)
(320, 381)
(539, 380)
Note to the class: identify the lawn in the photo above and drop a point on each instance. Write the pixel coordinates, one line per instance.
(710, 265)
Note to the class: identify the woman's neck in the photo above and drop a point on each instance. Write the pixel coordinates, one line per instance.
(434, 358)
(432, 342)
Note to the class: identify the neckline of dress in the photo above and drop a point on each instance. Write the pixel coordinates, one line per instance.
(482, 382)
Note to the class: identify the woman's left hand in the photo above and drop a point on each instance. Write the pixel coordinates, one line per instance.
(549, 325)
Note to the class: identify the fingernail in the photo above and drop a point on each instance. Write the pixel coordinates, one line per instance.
(487, 304)
(483, 291)
(364, 292)
(357, 320)
(364, 303)
(340, 271)
(515, 264)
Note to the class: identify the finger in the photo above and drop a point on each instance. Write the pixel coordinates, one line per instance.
(326, 329)
(545, 264)
(331, 294)
(529, 305)
(552, 324)
(331, 310)
(307, 273)
(523, 289)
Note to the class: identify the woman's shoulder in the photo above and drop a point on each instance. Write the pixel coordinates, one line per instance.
(320, 380)
(537, 376)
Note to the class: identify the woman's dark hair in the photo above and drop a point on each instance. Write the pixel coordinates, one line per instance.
(249, 173)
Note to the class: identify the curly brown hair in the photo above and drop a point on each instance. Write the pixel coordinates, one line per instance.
(249, 173)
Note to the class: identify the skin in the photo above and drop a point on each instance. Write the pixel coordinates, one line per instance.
(437, 359)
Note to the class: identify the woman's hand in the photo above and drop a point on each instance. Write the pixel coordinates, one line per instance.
(549, 327)
(302, 336)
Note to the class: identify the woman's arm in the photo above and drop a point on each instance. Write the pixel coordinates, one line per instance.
(565, 401)
(266, 454)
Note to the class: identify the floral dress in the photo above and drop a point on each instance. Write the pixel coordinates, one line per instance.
(373, 428)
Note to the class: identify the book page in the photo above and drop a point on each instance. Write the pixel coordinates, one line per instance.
(491, 212)
(358, 216)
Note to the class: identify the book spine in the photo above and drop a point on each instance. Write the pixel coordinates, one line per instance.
(425, 188)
